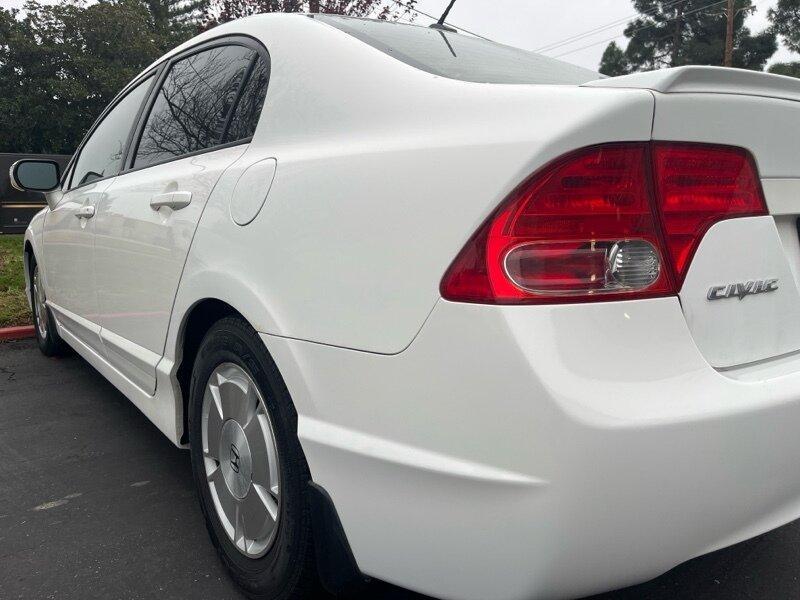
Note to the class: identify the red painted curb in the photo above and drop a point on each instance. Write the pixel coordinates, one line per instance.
(17, 333)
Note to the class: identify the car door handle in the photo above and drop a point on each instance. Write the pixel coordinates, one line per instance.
(85, 212)
(173, 200)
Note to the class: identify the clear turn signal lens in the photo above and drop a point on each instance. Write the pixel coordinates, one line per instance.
(583, 267)
(634, 264)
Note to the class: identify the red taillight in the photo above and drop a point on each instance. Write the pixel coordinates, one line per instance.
(588, 227)
(697, 186)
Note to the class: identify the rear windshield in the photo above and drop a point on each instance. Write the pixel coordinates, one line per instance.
(460, 56)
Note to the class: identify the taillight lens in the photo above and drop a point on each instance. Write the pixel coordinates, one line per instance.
(698, 186)
(589, 227)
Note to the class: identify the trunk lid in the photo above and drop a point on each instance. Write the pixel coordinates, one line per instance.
(758, 318)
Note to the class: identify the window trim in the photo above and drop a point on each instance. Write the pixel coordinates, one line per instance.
(69, 172)
(237, 39)
(159, 69)
(245, 79)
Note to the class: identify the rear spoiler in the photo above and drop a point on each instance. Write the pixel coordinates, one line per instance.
(708, 80)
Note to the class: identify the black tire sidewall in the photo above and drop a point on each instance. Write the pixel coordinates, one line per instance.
(51, 345)
(284, 571)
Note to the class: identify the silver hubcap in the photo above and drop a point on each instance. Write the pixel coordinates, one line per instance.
(39, 307)
(241, 459)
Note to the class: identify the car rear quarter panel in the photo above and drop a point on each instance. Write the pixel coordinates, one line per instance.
(383, 173)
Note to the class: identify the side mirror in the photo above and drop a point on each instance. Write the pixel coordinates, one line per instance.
(35, 175)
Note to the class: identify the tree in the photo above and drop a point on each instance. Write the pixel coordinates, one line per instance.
(60, 65)
(671, 33)
(222, 11)
(785, 18)
(792, 69)
(177, 20)
(614, 61)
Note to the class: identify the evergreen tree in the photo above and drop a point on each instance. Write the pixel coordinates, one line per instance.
(785, 19)
(221, 11)
(670, 33)
(177, 20)
(614, 61)
(792, 69)
(61, 64)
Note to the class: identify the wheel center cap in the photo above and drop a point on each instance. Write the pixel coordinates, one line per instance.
(236, 461)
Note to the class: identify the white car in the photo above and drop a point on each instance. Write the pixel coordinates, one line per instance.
(437, 311)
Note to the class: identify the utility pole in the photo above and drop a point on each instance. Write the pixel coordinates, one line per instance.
(731, 12)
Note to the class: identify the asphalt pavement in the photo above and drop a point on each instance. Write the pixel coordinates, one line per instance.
(96, 503)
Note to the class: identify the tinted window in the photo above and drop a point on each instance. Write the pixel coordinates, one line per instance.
(101, 155)
(245, 117)
(460, 56)
(193, 104)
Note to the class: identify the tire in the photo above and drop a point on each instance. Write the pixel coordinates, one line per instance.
(50, 343)
(280, 566)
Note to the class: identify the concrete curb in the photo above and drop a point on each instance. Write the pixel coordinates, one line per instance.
(17, 333)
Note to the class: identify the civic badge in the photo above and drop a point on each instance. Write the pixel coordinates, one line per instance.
(742, 290)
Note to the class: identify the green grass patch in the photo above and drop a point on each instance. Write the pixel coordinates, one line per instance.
(14, 308)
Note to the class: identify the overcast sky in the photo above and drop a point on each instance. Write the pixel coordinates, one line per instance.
(534, 24)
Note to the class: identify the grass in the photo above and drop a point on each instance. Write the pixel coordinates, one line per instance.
(14, 308)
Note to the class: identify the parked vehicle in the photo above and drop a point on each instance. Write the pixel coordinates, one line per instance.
(18, 207)
(437, 311)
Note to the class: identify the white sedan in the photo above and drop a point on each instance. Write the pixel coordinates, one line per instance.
(437, 311)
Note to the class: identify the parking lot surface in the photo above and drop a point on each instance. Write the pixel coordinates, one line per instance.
(96, 503)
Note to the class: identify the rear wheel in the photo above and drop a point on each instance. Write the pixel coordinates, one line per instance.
(50, 343)
(248, 465)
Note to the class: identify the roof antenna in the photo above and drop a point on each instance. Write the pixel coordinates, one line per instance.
(440, 23)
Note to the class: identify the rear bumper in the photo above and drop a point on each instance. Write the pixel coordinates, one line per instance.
(554, 451)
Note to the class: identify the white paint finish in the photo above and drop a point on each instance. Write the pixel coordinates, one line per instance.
(140, 253)
(82, 328)
(251, 190)
(769, 128)
(135, 362)
(786, 225)
(711, 80)
(397, 455)
(32, 237)
(563, 437)
(68, 251)
(782, 195)
(732, 331)
(610, 404)
(366, 178)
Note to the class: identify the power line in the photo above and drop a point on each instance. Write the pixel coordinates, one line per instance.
(453, 25)
(638, 29)
(585, 34)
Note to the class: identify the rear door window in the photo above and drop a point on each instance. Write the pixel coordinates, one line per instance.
(193, 107)
(245, 117)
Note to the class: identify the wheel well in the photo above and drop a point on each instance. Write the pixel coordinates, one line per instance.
(200, 319)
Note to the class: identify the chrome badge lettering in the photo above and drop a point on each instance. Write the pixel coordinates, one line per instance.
(740, 290)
